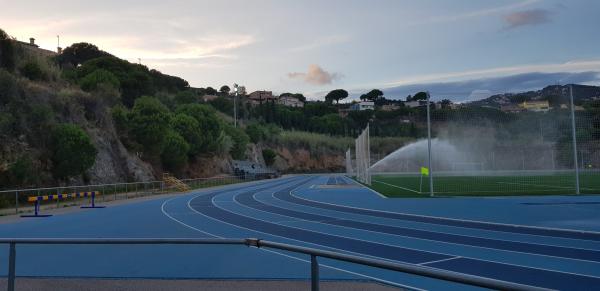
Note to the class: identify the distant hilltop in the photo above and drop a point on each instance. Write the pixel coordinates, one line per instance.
(554, 94)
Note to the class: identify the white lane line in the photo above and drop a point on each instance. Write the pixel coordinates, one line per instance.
(299, 228)
(162, 208)
(442, 232)
(476, 259)
(454, 256)
(438, 261)
(391, 283)
(325, 222)
(396, 186)
(573, 231)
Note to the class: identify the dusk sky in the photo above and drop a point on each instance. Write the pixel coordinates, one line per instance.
(452, 48)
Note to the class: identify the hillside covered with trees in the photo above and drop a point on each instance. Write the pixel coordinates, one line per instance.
(86, 116)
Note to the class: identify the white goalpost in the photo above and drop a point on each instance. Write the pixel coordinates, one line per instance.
(363, 157)
(349, 170)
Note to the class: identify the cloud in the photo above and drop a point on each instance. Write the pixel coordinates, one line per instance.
(315, 76)
(571, 66)
(484, 87)
(527, 17)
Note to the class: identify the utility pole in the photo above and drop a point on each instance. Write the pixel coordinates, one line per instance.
(574, 140)
(235, 90)
(429, 146)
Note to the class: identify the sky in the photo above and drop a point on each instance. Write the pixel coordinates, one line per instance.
(455, 49)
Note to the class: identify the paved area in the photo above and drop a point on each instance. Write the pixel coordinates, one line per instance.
(52, 284)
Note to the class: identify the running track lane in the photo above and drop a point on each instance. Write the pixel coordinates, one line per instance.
(249, 200)
(203, 204)
(502, 271)
(521, 229)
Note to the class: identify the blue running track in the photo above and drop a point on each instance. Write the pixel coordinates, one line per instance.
(551, 242)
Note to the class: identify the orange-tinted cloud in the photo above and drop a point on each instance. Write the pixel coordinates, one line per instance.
(315, 76)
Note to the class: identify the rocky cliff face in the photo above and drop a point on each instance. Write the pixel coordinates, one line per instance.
(298, 160)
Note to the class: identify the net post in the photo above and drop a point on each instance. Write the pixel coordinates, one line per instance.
(12, 256)
(16, 202)
(429, 146)
(368, 155)
(574, 140)
(314, 273)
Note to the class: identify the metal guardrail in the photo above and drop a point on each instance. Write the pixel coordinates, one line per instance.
(16, 199)
(258, 243)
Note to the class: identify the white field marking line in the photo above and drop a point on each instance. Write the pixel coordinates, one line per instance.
(363, 187)
(396, 186)
(476, 259)
(542, 185)
(431, 240)
(466, 220)
(439, 261)
(289, 256)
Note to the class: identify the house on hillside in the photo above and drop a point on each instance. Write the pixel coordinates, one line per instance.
(536, 106)
(390, 107)
(363, 105)
(33, 47)
(207, 97)
(259, 97)
(290, 101)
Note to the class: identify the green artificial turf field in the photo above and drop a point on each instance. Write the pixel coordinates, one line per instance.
(412, 185)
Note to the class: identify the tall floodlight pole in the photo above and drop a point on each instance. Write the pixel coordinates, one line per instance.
(429, 146)
(235, 90)
(574, 140)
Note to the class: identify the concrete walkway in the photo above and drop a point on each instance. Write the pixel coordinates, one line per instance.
(64, 284)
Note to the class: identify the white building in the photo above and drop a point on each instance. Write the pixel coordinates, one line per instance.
(290, 101)
(363, 105)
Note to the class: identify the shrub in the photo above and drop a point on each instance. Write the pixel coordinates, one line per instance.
(189, 129)
(208, 122)
(7, 52)
(149, 123)
(22, 171)
(240, 141)
(269, 156)
(120, 117)
(7, 122)
(32, 71)
(78, 53)
(8, 87)
(72, 151)
(97, 78)
(261, 132)
(175, 152)
(223, 104)
(185, 97)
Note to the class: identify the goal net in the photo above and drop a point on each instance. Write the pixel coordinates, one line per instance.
(363, 157)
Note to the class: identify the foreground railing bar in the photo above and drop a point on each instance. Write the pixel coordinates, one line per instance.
(123, 241)
(401, 267)
(253, 242)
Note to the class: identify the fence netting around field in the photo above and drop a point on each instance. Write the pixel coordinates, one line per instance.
(535, 147)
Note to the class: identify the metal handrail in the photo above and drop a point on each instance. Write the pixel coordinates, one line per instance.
(123, 189)
(258, 243)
